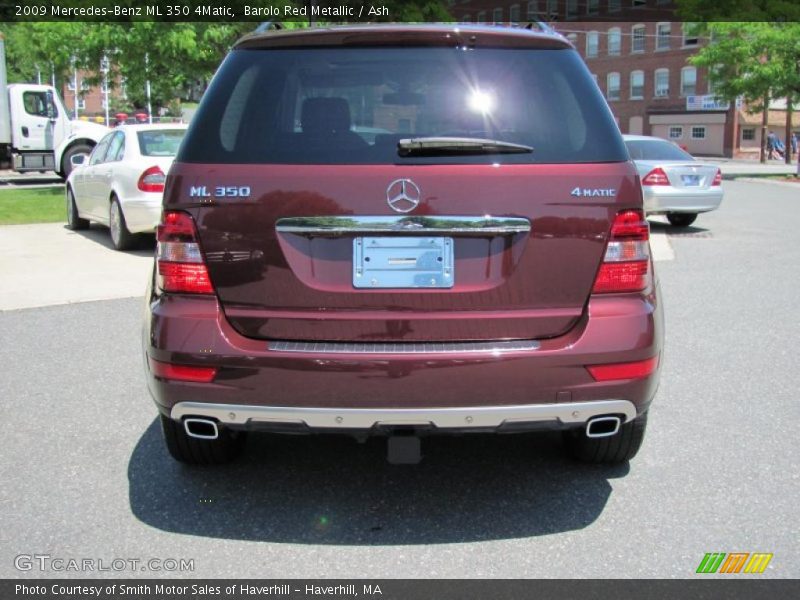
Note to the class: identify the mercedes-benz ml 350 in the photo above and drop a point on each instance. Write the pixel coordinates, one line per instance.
(403, 231)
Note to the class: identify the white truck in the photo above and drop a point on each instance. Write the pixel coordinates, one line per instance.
(36, 132)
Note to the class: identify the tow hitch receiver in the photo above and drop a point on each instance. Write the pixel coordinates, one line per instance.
(403, 450)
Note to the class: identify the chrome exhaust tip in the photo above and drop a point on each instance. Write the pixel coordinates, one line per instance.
(600, 427)
(202, 429)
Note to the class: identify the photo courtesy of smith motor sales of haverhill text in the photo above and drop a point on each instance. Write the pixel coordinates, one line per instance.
(399, 299)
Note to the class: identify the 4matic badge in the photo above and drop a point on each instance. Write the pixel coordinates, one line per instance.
(593, 192)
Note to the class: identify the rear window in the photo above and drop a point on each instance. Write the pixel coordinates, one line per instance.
(160, 142)
(353, 105)
(656, 150)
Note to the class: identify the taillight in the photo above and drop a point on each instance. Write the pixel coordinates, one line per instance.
(717, 178)
(656, 177)
(182, 372)
(152, 180)
(626, 264)
(628, 370)
(181, 267)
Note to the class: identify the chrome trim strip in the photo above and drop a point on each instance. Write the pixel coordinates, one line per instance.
(402, 347)
(332, 226)
(367, 418)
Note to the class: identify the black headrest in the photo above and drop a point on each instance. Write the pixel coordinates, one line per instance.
(325, 115)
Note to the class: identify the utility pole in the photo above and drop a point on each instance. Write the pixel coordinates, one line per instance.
(147, 87)
(75, 86)
(104, 68)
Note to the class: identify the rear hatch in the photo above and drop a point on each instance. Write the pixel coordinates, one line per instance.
(319, 223)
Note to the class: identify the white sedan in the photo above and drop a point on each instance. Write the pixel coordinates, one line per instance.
(122, 182)
(673, 182)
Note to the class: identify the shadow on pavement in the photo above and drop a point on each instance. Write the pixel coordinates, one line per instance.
(690, 231)
(145, 244)
(331, 490)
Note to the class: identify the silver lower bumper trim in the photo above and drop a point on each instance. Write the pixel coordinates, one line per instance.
(367, 418)
(403, 347)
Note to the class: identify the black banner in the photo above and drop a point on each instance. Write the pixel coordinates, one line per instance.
(733, 588)
(355, 11)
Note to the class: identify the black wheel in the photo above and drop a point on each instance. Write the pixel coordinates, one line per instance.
(681, 219)
(66, 160)
(195, 451)
(616, 448)
(74, 222)
(120, 236)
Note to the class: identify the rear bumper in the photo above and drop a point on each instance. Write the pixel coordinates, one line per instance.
(495, 418)
(142, 212)
(664, 199)
(263, 385)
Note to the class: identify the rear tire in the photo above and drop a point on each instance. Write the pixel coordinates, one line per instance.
(681, 219)
(120, 236)
(74, 222)
(194, 451)
(618, 448)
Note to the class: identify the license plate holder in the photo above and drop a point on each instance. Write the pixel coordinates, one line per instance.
(402, 262)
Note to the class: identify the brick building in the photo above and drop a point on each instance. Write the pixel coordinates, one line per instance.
(90, 99)
(640, 62)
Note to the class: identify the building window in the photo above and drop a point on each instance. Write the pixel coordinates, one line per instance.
(688, 81)
(748, 133)
(497, 15)
(637, 38)
(513, 13)
(573, 38)
(612, 86)
(552, 9)
(713, 73)
(662, 36)
(594, 76)
(614, 41)
(637, 85)
(71, 84)
(698, 133)
(466, 19)
(481, 18)
(675, 132)
(533, 10)
(638, 3)
(592, 7)
(572, 9)
(592, 40)
(662, 83)
(690, 37)
(614, 5)
(81, 103)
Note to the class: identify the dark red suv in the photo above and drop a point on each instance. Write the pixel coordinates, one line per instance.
(403, 230)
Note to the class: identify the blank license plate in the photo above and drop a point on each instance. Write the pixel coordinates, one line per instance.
(690, 179)
(403, 262)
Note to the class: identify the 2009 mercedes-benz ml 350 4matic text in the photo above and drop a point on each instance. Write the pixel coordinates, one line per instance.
(403, 230)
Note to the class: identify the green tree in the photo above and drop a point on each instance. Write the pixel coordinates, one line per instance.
(755, 61)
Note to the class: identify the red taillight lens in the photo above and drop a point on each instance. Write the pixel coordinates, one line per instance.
(626, 264)
(152, 180)
(717, 178)
(181, 268)
(182, 372)
(628, 370)
(656, 177)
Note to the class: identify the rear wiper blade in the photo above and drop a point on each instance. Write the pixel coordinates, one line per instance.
(444, 146)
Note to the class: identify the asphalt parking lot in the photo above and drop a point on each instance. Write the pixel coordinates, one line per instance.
(86, 476)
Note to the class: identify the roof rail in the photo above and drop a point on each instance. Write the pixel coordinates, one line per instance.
(269, 25)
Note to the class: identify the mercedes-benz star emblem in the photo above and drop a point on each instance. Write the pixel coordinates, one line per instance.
(403, 195)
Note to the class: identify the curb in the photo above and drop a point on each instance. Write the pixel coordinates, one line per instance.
(751, 179)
